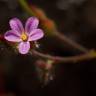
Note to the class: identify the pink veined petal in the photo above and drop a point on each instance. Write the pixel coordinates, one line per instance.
(35, 35)
(16, 25)
(32, 23)
(24, 47)
(12, 36)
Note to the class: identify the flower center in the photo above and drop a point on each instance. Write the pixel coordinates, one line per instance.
(24, 37)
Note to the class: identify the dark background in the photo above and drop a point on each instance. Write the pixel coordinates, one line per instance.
(75, 19)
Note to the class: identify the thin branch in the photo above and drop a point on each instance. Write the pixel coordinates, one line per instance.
(74, 59)
(71, 42)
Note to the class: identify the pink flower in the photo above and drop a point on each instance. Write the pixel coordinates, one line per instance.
(24, 36)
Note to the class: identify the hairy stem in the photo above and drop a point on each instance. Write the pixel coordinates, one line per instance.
(78, 58)
(71, 42)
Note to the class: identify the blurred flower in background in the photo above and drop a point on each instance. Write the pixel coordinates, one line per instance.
(45, 71)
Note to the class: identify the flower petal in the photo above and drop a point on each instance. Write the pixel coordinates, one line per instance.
(32, 23)
(35, 35)
(24, 47)
(12, 36)
(16, 25)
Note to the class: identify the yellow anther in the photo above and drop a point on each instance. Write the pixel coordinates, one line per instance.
(24, 37)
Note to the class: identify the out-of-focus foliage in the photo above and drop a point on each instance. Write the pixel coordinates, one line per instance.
(66, 4)
(12, 4)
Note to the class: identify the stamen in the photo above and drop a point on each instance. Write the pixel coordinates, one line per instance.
(24, 37)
